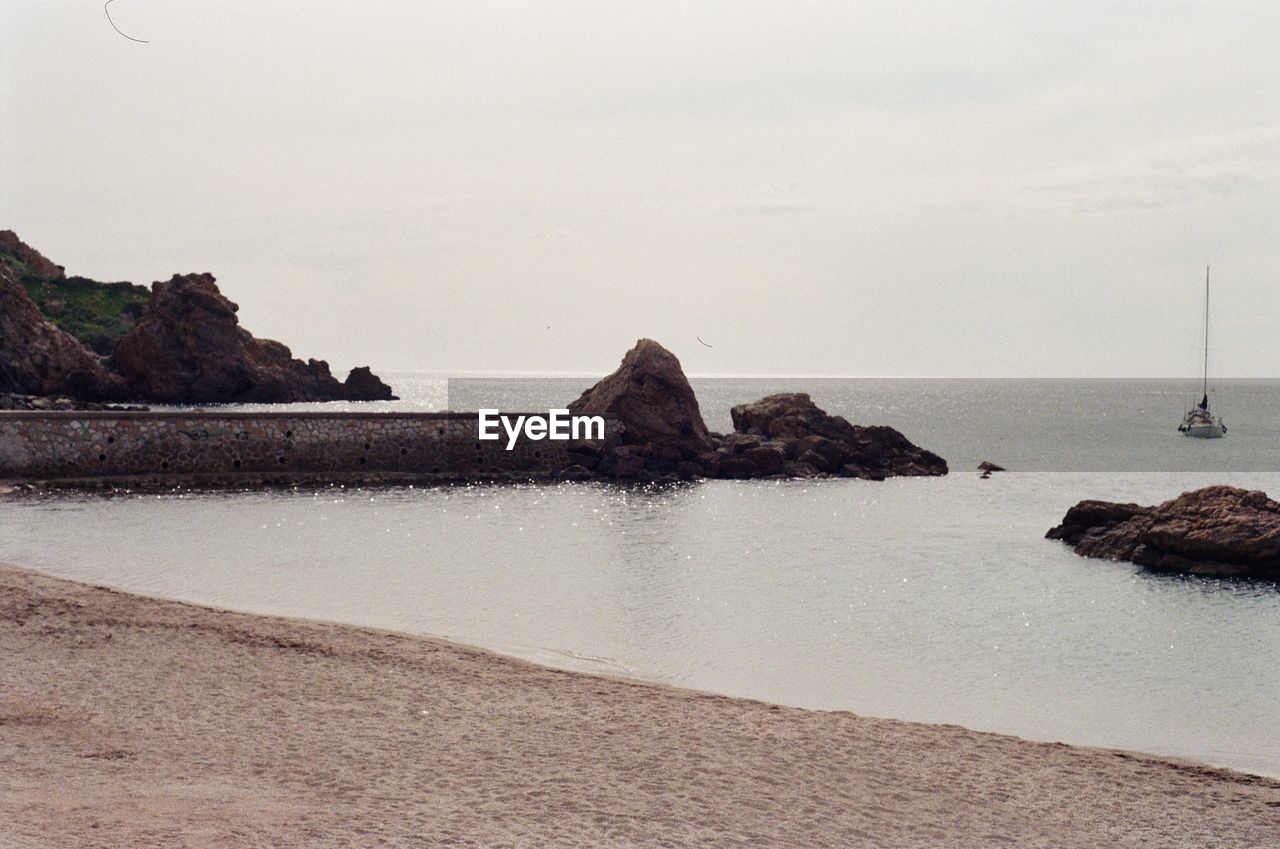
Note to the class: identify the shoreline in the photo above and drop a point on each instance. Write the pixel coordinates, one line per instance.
(131, 720)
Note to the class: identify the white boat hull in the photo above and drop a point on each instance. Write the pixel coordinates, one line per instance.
(1206, 431)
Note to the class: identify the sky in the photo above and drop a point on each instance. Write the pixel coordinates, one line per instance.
(985, 189)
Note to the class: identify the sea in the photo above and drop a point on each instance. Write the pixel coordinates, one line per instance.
(927, 599)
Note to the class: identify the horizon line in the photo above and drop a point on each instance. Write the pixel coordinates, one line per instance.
(477, 374)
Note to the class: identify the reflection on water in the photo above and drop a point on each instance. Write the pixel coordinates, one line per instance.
(927, 599)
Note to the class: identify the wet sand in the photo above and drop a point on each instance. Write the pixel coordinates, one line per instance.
(134, 722)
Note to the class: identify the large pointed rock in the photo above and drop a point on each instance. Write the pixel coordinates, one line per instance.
(188, 348)
(37, 358)
(652, 398)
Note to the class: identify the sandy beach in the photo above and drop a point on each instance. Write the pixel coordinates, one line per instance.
(135, 722)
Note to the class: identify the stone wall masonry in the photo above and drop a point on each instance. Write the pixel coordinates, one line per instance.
(186, 445)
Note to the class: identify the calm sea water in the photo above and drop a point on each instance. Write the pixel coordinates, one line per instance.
(926, 599)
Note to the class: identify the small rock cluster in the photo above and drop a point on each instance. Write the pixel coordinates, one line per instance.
(1218, 531)
(38, 403)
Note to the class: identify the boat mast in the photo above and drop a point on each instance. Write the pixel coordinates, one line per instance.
(1206, 333)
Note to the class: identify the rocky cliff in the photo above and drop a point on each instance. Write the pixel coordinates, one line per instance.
(97, 314)
(37, 358)
(188, 347)
(183, 346)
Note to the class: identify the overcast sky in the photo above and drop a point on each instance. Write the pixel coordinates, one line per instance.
(962, 189)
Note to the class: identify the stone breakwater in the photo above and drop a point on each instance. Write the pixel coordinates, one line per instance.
(210, 446)
(653, 431)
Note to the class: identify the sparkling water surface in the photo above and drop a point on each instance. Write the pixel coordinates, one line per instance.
(931, 599)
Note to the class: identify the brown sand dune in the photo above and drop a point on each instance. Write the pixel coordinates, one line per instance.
(135, 722)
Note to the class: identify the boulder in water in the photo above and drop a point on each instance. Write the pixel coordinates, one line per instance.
(363, 385)
(1219, 531)
(810, 436)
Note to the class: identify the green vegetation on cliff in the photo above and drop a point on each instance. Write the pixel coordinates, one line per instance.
(95, 313)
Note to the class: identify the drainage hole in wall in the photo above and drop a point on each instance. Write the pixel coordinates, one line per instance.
(537, 454)
(363, 460)
(235, 464)
(367, 446)
(164, 464)
(101, 457)
(435, 470)
(281, 460)
(404, 451)
(110, 439)
(288, 434)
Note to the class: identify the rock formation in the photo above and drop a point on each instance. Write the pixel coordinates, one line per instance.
(97, 314)
(188, 348)
(36, 358)
(789, 434)
(1220, 531)
(663, 426)
(664, 436)
(24, 259)
(363, 385)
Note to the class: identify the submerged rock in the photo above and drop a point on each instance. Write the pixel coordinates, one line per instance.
(188, 348)
(1219, 531)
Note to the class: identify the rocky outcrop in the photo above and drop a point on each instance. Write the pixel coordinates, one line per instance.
(184, 346)
(1220, 531)
(24, 259)
(650, 395)
(188, 348)
(97, 314)
(363, 385)
(789, 434)
(37, 358)
(664, 436)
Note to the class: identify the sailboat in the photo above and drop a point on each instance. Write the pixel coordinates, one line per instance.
(1199, 421)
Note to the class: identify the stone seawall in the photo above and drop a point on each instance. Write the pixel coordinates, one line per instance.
(195, 445)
